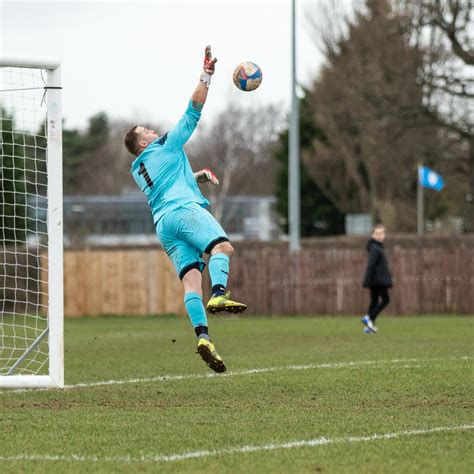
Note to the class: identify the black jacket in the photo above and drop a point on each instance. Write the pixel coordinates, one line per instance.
(377, 272)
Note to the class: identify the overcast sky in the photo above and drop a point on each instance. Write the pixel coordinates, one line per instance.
(141, 60)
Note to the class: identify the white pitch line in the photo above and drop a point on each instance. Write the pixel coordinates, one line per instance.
(263, 370)
(156, 458)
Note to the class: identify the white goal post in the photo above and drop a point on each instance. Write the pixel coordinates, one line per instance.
(31, 225)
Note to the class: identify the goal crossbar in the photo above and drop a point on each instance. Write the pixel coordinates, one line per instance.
(47, 64)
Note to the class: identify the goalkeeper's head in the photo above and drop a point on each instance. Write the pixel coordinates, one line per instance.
(138, 138)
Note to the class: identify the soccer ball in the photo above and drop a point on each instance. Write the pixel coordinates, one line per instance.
(247, 76)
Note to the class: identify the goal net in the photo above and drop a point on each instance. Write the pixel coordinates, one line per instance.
(31, 250)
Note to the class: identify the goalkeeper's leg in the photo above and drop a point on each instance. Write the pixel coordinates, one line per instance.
(219, 271)
(192, 282)
(201, 232)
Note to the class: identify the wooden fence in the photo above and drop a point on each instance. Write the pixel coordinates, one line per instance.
(132, 282)
(432, 276)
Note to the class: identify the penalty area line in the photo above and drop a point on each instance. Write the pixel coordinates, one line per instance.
(309, 443)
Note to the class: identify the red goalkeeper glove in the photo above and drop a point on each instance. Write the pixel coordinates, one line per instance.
(210, 176)
(206, 175)
(208, 67)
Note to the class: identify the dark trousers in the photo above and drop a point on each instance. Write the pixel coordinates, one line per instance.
(378, 300)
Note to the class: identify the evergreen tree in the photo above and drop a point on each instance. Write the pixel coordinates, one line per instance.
(79, 152)
(318, 215)
(13, 205)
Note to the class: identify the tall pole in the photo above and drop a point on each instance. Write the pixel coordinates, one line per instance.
(419, 204)
(294, 148)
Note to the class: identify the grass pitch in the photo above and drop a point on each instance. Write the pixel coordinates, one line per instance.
(324, 380)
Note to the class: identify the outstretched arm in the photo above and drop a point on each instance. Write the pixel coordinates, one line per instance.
(199, 96)
(183, 130)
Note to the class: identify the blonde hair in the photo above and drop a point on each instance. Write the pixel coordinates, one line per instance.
(377, 226)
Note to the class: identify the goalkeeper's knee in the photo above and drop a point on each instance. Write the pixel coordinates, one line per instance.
(223, 247)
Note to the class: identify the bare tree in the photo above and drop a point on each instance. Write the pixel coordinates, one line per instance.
(327, 25)
(106, 168)
(238, 146)
(369, 105)
(443, 31)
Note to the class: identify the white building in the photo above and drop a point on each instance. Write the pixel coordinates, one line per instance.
(126, 219)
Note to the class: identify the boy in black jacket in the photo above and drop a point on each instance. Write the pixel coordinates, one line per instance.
(377, 278)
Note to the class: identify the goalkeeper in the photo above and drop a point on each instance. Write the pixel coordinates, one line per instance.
(184, 227)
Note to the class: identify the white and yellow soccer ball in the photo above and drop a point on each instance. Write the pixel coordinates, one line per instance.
(247, 76)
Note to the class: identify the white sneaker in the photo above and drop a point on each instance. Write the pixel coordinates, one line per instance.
(367, 322)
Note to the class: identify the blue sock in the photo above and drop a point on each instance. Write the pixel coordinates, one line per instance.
(196, 313)
(219, 272)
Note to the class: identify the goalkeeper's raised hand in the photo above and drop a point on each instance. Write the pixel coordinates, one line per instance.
(206, 176)
(200, 93)
(209, 66)
(209, 61)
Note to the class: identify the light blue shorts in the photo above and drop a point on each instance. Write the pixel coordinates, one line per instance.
(186, 234)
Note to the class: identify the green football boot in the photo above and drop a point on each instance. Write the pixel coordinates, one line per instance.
(219, 303)
(207, 351)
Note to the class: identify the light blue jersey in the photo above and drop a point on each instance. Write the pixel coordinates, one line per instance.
(162, 171)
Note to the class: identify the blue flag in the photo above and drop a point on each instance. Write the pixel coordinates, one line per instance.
(430, 179)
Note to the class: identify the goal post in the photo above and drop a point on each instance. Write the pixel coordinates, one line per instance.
(31, 224)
